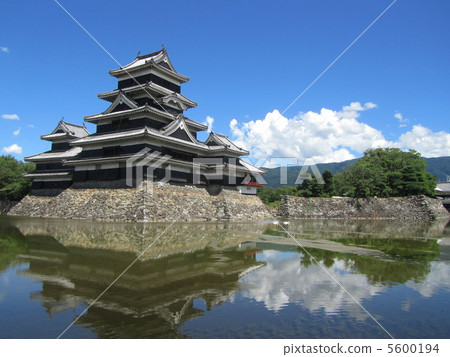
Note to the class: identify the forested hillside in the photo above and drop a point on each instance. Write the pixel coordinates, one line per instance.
(437, 166)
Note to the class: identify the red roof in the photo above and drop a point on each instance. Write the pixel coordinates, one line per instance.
(256, 184)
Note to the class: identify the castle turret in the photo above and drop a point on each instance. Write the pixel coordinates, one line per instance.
(50, 172)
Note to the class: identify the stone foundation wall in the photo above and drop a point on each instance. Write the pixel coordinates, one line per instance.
(156, 202)
(412, 208)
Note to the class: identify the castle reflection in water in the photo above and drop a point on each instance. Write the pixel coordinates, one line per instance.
(76, 262)
(192, 268)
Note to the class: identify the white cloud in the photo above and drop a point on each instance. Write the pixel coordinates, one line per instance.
(30, 125)
(437, 279)
(12, 149)
(284, 281)
(358, 107)
(17, 132)
(4, 49)
(425, 141)
(370, 105)
(10, 116)
(209, 122)
(325, 137)
(330, 136)
(401, 119)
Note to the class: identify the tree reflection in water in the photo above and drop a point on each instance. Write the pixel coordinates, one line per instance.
(196, 268)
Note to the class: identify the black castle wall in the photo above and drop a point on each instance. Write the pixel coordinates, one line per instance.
(130, 82)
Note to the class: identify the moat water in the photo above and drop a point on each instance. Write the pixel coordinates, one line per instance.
(224, 280)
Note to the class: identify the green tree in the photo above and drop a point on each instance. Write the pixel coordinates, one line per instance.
(272, 196)
(309, 188)
(386, 173)
(13, 186)
(327, 176)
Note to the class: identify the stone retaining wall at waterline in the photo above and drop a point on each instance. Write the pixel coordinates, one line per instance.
(158, 203)
(171, 202)
(419, 208)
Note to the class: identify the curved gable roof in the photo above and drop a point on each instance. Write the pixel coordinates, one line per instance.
(159, 59)
(66, 130)
(121, 99)
(223, 140)
(178, 129)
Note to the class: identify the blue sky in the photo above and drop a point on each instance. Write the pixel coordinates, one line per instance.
(247, 61)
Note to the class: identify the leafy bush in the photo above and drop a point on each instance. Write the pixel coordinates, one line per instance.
(13, 186)
(387, 172)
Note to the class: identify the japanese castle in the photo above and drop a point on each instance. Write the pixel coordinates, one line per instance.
(144, 126)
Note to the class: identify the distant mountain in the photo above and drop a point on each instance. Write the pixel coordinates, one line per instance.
(438, 166)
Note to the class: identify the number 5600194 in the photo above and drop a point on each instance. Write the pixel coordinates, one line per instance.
(413, 348)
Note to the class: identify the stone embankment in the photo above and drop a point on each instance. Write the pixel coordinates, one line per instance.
(419, 208)
(149, 202)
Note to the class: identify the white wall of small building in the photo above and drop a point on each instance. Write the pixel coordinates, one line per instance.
(247, 190)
